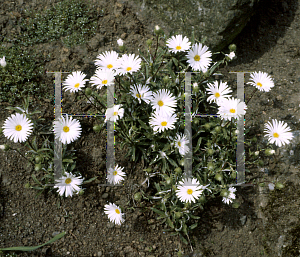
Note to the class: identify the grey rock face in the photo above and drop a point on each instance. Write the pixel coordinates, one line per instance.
(218, 20)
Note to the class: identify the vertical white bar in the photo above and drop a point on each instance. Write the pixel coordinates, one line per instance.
(57, 143)
(110, 153)
(188, 157)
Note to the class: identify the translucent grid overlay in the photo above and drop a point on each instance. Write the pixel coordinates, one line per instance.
(240, 149)
(110, 154)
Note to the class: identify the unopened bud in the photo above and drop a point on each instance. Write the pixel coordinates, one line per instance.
(279, 185)
(97, 128)
(88, 91)
(232, 47)
(149, 42)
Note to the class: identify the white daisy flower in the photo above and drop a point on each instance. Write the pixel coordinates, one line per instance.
(177, 44)
(67, 129)
(141, 93)
(161, 123)
(129, 64)
(115, 175)
(218, 91)
(114, 213)
(2, 61)
(262, 81)
(278, 132)
(189, 190)
(199, 57)
(180, 143)
(231, 55)
(114, 113)
(75, 81)
(120, 42)
(108, 60)
(68, 184)
(17, 127)
(228, 199)
(103, 77)
(231, 108)
(163, 102)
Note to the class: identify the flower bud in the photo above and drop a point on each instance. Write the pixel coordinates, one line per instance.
(38, 167)
(137, 196)
(27, 185)
(236, 205)
(210, 151)
(181, 162)
(195, 87)
(279, 185)
(166, 79)
(158, 31)
(88, 91)
(208, 144)
(149, 42)
(210, 166)
(178, 215)
(97, 128)
(224, 193)
(81, 192)
(218, 129)
(256, 153)
(38, 159)
(207, 126)
(269, 152)
(178, 170)
(261, 163)
(4, 147)
(233, 175)
(232, 47)
(219, 177)
(254, 139)
(169, 181)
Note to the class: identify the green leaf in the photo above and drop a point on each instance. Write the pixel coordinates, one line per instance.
(90, 180)
(157, 187)
(159, 212)
(194, 217)
(172, 162)
(35, 179)
(198, 144)
(183, 239)
(133, 153)
(143, 124)
(194, 226)
(32, 248)
(43, 149)
(34, 112)
(14, 108)
(175, 61)
(68, 160)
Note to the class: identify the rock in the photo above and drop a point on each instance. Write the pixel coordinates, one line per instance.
(220, 21)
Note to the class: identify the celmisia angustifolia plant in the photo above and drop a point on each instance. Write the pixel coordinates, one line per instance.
(149, 119)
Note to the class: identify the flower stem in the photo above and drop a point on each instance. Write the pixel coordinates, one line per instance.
(251, 95)
(23, 156)
(93, 103)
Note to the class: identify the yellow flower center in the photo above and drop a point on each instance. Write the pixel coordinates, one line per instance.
(259, 84)
(129, 68)
(275, 134)
(117, 211)
(189, 191)
(115, 113)
(217, 95)
(179, 143)
(109, 66)
(164, 123)
(66, 129)
(138, 95)
(104, 81)
(115, 173)
(160, 103)
(232, 110)
(197, 58)
(178, 47)
(68, 181)
(77, 85)
(18, 128)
